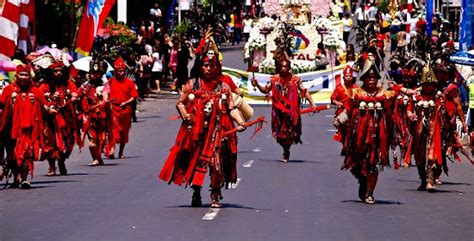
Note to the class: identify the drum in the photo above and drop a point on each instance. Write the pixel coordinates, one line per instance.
(341, 119)
(246, 110)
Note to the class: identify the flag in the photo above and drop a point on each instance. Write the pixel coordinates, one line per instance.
(170, 15)
(93, 17)
(15, 16)
(429, 17)
(466, 41)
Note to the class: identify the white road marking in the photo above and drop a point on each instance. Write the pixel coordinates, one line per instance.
(257, 149)
(332, 130)
(234, 185)
(248, 163)
(329, 116)
(211, 214)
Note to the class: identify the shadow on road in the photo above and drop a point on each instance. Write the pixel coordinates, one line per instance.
(456, 183)
(292, 161)
(400, 180)
(438, 190)
(52, 181)
(103, 165)
(148, 117)
(131, 157)
(224, 205)
(381, 202)
(77, 174)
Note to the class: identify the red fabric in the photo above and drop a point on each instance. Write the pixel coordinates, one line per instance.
(450, 44)
(200, 47)
(228, 80)
(92, 19)
(27, 122)
(287, 103)
(120, 64)
(421, 23)
(23, 68)
(56, 65)
(367, 140)
(348, 70)
(214, 59)
(97, 120)
(15, 19)
(344, 94)
(337, 79)
(197, 148)
(61, 129)
(122, 90)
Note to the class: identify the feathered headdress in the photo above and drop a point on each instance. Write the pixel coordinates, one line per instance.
(207, 48)
(205, 52)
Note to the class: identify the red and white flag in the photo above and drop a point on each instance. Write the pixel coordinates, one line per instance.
(15, 16)
(93, 17)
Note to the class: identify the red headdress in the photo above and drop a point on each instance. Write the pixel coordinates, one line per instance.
(56, 65)
(421, 24)
(348, 71)
(23, 68)
(120, 64)
(210, 56)
(450, 44)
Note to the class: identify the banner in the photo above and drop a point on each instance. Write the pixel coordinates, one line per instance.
(184, 5)
(320, 84)
(93, 17)
(429, 17)
(15, 16)
(466, 26)
(170, 15)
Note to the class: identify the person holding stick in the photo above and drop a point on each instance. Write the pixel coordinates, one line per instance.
(286, 90)
(207, 139)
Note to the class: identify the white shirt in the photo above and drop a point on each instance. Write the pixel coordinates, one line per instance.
(359, 14)
(247, 25)
(347, 24)
(157, 62)
(371, 13)
(155, 12)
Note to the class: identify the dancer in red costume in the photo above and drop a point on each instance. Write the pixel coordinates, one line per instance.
(342, 98)
(97, 117)
(61, 130)
(404, 116)
(428, 128)
(123, 92)
(367, 140)
(21, 124)
(202, 144)
(286, 90)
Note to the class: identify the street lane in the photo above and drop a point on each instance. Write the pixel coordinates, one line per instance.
(308, 198)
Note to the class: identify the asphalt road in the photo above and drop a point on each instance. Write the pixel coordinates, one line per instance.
(308, 198)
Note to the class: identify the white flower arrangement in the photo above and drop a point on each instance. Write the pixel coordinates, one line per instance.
(256, 38)
(302, 66)
(322, 23)
(267, 66)
(258, 42)
(266, 24)
(297, 66)
(333, 41)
